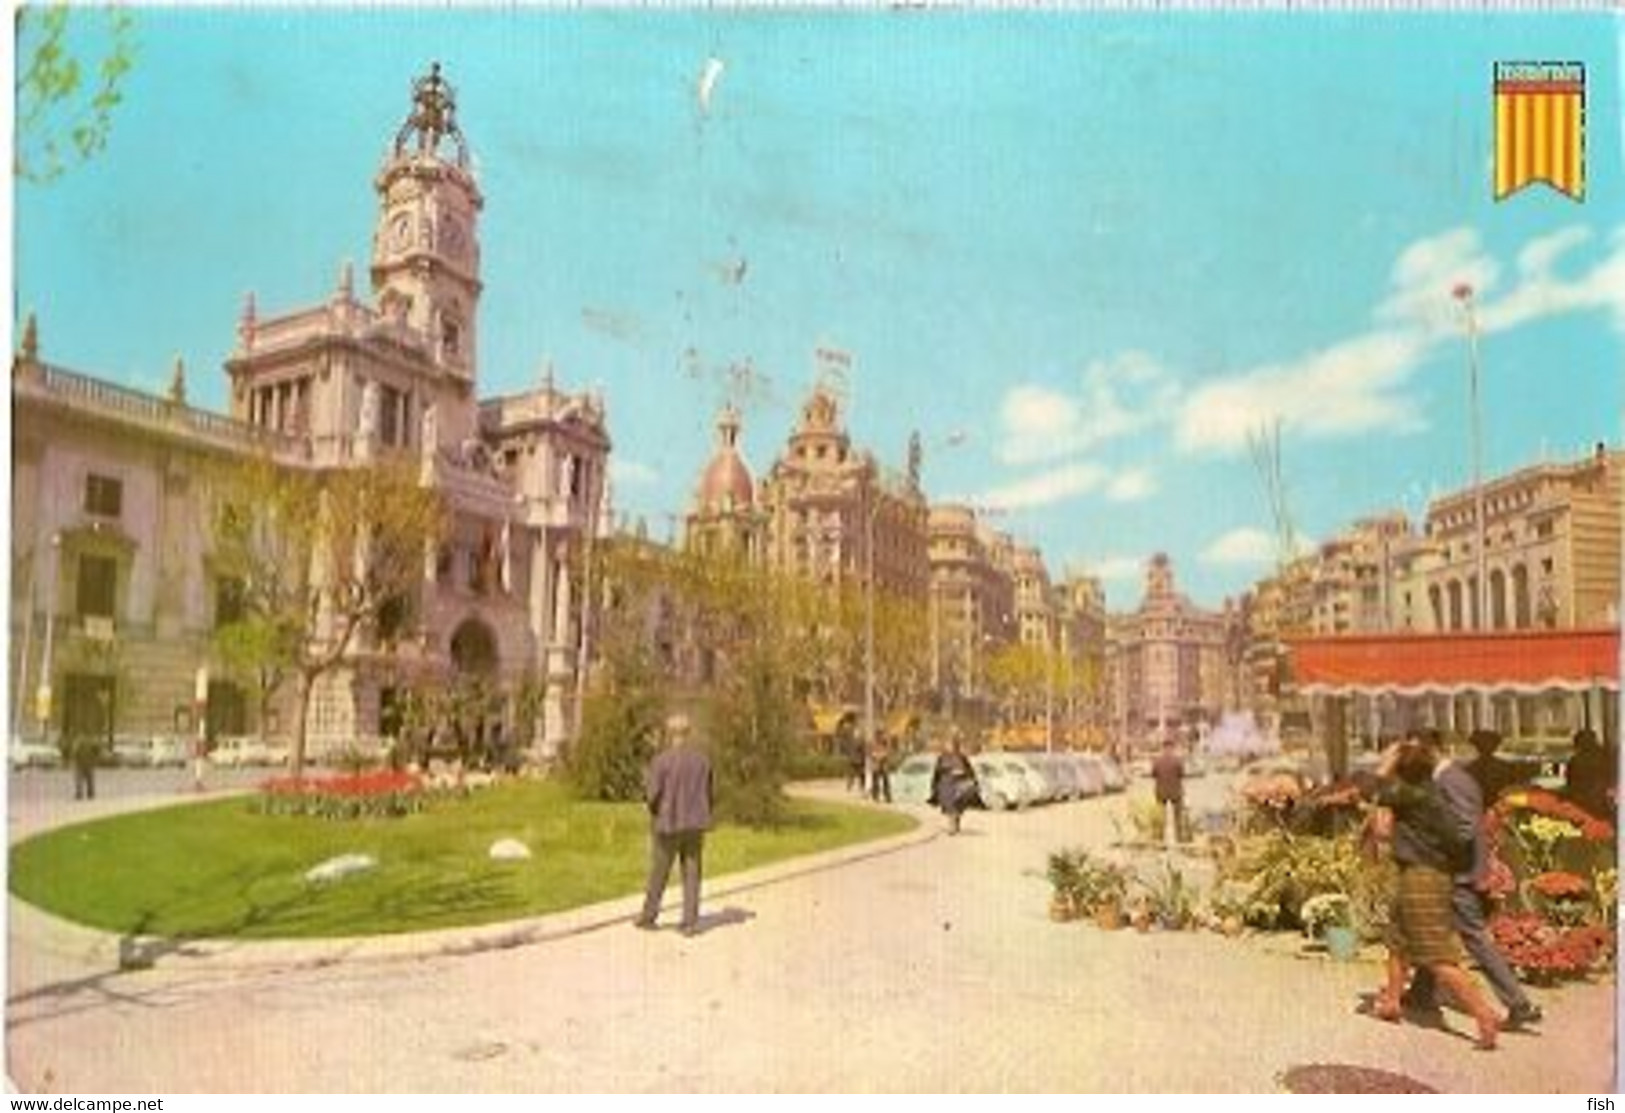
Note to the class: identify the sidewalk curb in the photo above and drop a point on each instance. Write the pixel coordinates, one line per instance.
(102, 950)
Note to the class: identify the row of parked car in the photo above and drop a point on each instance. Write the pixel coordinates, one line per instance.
(1010, 780)
(154, 752)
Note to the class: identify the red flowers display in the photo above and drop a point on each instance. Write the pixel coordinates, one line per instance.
(1561, 885)
(1543, 952)
(376, 794)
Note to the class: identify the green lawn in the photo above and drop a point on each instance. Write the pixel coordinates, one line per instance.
(217, 870)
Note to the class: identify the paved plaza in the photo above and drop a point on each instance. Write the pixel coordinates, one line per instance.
(927, 964)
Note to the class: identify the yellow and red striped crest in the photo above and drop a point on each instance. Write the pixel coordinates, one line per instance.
(1540, 127)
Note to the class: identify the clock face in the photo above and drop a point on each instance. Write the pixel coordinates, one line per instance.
(400, 231)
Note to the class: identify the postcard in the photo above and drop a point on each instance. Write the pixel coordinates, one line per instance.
(754, 549)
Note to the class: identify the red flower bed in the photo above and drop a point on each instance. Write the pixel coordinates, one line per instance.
(351, 796)
(1561, 885)
(1543, 952)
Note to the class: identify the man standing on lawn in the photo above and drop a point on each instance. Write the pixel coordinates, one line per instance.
(679, 791)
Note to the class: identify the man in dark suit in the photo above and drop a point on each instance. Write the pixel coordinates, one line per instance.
(678, 787)
(1494, 774)
(1464, 798)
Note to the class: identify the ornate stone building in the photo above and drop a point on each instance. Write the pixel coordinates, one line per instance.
(724, 520)
(973, 603)
(1552, 548)
(1171, 663)
(111, 504)
(831, 512)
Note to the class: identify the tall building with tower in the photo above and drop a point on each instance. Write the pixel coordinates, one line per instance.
(120, 587)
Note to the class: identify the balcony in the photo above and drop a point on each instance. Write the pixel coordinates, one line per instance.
(85, 394)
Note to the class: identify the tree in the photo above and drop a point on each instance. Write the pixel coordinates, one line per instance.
(752, 727)
(321, 556)
(72, 62)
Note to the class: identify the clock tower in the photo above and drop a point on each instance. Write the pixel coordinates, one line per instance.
(425, 252)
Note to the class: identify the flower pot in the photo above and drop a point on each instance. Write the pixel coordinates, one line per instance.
(1109, 917)
(1060, 909)
(1342, 943)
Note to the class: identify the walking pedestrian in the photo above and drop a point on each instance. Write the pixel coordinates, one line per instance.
(680, 792)
(880, 769)
(1430, 844)
(84, 751)
(852, 750)
(1461, 787)
(1168, 772)
(953, 784)
(1589, 781)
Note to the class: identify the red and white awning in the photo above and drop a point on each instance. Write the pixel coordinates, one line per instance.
(1522, 662)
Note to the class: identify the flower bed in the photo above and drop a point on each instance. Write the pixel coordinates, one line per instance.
(377, 795)
(1545, 952)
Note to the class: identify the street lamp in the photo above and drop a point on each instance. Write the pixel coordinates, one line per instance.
(1464, 294)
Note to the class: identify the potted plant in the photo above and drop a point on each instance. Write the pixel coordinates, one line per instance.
(1329, 917)
(1172, 899)
(1106, 886)
(1063, 873)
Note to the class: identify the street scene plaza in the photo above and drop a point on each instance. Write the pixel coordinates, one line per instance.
(1072, 671)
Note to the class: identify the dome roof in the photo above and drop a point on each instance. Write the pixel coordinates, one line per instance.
(726, 483)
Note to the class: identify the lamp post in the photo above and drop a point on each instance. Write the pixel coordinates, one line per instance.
(1464, 294)
(869, 636)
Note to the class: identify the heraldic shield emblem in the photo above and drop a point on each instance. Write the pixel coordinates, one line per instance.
(1540, 127)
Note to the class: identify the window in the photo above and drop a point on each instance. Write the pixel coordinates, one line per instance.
(1544, 529)
(104, 495)
(98, 578)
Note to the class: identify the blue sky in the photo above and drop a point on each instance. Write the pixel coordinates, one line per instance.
(1101, 246)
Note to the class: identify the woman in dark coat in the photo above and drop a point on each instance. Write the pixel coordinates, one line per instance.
(1429, 846)
(953, 784)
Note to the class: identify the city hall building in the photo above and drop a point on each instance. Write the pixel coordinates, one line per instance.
(117, 587)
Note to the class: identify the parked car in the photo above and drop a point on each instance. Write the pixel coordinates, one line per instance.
(1003, 784)
(1039, 787)
(1091, 777)
(1112, 773)
(34, 753)
(239, 751)
(911, 781)
(148, 751)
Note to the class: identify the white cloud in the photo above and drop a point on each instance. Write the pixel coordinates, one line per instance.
(1246, 545)
(1119, 396)
(1351, 387)
(1542, 293)
(631, 473)
(1057, 485)
(1115, 567)
(1133, 485)
(1425, 274)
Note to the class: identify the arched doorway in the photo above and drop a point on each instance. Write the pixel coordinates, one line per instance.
(473, 649)
(474, 708)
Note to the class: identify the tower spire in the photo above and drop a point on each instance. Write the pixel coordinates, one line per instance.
(433, 118)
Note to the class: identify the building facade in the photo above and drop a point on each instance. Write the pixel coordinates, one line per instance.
(113, 497)
(1171, 662)
(1551, 536)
